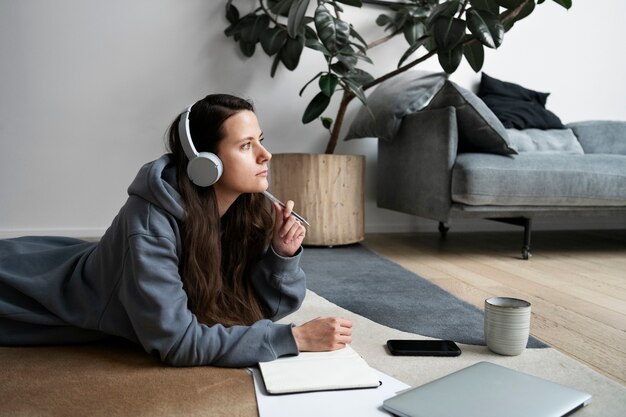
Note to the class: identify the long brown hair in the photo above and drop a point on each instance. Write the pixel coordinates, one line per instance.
(218, 254)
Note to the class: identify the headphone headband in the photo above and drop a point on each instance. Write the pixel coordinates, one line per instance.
(185, 134)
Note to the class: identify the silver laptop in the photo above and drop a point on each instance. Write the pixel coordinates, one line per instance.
(487, 390)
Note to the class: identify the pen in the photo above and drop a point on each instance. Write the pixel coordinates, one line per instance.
(280, 203)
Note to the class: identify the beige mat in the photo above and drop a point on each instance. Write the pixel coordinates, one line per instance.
(120, 380)
(609, 397)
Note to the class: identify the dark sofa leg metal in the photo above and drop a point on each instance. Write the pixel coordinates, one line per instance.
(520, 221)
(443, 229)
(526, 247)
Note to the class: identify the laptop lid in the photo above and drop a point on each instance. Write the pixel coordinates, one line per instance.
(487, 390)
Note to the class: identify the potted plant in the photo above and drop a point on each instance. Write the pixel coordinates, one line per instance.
(452, 30)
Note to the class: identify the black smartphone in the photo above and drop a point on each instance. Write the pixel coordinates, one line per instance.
(423, 348)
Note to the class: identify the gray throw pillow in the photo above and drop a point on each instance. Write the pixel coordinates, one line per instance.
(393, 99)
(479, 129)
(561, 141)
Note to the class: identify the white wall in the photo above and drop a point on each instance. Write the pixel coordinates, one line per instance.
(89, 87)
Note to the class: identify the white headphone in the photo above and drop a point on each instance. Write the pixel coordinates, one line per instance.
(204, 168)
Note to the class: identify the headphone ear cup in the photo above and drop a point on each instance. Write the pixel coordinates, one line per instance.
(205, 169)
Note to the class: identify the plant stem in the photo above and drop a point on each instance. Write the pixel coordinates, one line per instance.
(399, 70)
(512, 14)
(382, 40)
(334, 136)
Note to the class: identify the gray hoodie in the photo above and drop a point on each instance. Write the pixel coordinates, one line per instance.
(57, 290)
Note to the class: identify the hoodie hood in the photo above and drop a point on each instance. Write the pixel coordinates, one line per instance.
(156, 183)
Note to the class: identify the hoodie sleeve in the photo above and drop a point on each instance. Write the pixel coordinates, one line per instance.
(279, 283)
(152, 294)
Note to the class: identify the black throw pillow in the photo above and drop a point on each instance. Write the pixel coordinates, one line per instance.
(517, 107)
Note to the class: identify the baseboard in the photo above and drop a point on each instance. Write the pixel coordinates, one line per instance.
(419, 225)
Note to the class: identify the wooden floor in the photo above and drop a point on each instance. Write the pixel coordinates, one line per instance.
(575, 281)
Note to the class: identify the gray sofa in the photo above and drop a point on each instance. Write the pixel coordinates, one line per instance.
(436, 164)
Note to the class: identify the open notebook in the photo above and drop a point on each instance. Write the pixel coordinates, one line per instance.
(318, 371)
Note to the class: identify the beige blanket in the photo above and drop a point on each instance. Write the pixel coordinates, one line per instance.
(117, 379)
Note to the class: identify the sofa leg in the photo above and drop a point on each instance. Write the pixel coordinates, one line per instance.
(526, 247)
(443, 229)
(520, 221)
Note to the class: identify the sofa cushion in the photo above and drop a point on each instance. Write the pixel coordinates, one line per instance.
(479, 129)
(516, 106)
(532, 179)
(544, 141)
(601, 136)
(393, 99)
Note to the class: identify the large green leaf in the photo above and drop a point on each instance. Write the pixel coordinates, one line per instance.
(243, 24)
(291, 51)
(319, 74)
(486, 27)
(383, 20)
(446, 9)
(328, 83)
(231, 31)
(315, 108)
(565, 3)
(355, 3)
(399, 20)
(450, 60)
(349, 60)
(509, 4)
(317, 45)
(421, 11)
(448, 32)
(487, 5)
(309, 33)
(247, 48)
(251, 27)
(352, 55)
(356, 35)
(272, 40)
(280, 7)
(526, 10)
(295, 19)
(340, 68)
(475, 55)
(232, 14)
(355, 88)
(359, 76)
(334, 33)
(413, 30)
(275, 65)
(361, 48)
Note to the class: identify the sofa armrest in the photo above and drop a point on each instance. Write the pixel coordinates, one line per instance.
(601, 136)
(415, 168)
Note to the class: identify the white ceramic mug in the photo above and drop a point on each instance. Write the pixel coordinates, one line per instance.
(507, 325)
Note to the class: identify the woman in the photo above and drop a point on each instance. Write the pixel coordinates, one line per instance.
(194, 273)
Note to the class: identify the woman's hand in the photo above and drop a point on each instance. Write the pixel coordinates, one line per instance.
(323, 334)
(288, 231)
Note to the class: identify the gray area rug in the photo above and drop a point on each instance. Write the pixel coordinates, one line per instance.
(359, 280)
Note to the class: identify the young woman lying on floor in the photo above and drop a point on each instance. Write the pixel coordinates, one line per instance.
(194, 267)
